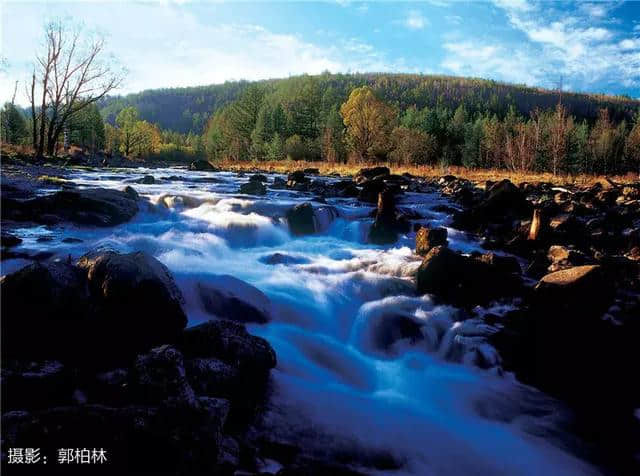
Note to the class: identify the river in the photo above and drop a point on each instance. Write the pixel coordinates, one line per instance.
(435, 404)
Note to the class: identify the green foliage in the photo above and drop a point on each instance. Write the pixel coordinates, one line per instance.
(307, 100)
(86, 128)
(13, 125)
(471, 122)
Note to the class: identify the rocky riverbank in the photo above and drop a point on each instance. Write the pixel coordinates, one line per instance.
(98, 346)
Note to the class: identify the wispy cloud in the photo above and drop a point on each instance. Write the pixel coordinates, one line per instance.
(467, 58)
(204, 52)
(574, 45)
(415, 20)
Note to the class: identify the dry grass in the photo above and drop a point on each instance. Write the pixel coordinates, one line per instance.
(429, 171)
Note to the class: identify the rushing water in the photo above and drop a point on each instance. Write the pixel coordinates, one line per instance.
(423, 402)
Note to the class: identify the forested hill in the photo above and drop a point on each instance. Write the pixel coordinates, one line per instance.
(177, 109)
(188, 109)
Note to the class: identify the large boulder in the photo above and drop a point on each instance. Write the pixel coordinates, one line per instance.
(365, 174)
(7, 240)
(230, 343)
(27, 384)
(298, 181)
(137, 439)
(44, 309)
(575, 291)
(464, 280)
(427, 238)
(258, 178)
(231, 298)
(304, 219)
(253, 187)
(159, 375)
(345, 188)
(95, 206)
(136, 300)
(503, 202)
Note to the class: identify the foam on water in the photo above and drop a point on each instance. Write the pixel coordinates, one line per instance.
(343, 369)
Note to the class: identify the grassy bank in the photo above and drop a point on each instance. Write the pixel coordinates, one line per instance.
(476, 175)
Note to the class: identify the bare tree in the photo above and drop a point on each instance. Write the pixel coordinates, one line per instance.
(70, 76)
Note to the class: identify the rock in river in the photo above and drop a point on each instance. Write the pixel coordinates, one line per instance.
(427, 238)
(136, 293)
(253, 187)
(304, 219)
(95, 206)
(44, 308)
(464, 280)
(231, 298)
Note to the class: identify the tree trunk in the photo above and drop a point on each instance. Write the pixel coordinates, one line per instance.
(33, 112)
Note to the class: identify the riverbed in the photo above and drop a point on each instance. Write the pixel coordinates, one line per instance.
(434, 402)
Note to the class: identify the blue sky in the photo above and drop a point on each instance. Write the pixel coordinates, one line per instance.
(592, 46)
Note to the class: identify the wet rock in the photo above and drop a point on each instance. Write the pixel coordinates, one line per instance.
(365, 174)
(44, 309)
(562, 257)
(370, 190)
(427, 238)
(8, 240)
(212, 377)
(253, 188)
(29, 385)
(311, 171)
(111, 387)
(131, 192)
(96, 207)
(279, 183)
(147, 180)
(387, 225)
(298, 181)
(201, 165)
(577, 291)
(506, 264)
(304, 219)
(345, 188)
(230, 343)
(297, 176)
(503, 202)
(301, 219)
(134, 292)
(231, 298)
(137, 439)
(281, 258)
(538, 225)
(71, 239)
(258, 178)
(159, 375)
(462, 279)
(176, 201)
(390, 329)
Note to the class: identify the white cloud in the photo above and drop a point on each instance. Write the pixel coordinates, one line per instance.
(572, 44)
(455, 19)
(467, 58)
(630, 44)
(514, 5)
(415, 20)
(167, 46)
(595, 10)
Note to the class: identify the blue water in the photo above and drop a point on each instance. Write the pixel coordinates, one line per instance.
(426, 403)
